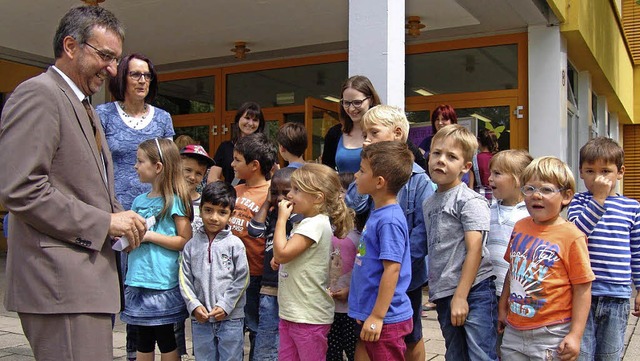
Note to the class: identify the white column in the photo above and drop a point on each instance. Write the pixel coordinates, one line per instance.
(376, 46)
(547, 92)
(584, 107)
(614, 126)
(602, 116)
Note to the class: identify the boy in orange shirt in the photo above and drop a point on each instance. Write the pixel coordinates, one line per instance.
(253, 157)
(546, 297)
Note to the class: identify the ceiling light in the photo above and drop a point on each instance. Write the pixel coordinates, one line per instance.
(240, 50)
(424, 92)
(331, 99)
(413, 26)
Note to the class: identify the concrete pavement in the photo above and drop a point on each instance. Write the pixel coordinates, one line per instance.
(14, 346)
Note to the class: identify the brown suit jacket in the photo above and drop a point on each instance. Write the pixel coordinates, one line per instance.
(52, 181)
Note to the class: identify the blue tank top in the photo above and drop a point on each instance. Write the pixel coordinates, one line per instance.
(347, 160)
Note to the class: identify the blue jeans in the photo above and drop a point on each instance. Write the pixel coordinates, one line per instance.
(476, 339)
(252, 311)
(603, 337)
(267, 338)
(223, 340)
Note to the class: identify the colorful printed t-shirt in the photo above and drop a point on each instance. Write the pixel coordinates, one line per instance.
(248, 202)
(545, 261)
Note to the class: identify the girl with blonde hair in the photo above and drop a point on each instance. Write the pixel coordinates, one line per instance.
(306, 307)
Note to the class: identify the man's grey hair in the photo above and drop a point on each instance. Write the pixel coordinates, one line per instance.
(79, 23)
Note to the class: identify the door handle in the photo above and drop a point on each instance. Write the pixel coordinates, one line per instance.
(214, 130)
(225, 130)
(518, 111)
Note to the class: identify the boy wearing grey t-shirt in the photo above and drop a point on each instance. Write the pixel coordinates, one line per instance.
(460, 272)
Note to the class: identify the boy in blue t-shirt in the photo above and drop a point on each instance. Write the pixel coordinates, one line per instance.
(388, 123)
(612, 225)
(382, 270)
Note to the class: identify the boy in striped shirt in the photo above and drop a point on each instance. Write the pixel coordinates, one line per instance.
(612, 225)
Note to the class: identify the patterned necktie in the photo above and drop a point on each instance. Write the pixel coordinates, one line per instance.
(87, 107)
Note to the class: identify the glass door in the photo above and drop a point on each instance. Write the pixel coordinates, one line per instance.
(320, 115)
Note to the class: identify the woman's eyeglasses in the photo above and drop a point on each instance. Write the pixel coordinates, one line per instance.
(136, 75)
(544, 191)
(357, 103)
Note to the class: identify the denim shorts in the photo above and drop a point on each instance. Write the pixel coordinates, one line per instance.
(147, 307)
(603, 337)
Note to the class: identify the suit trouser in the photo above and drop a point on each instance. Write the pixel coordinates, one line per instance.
(73, 337)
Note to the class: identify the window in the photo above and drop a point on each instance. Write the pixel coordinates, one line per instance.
(286, 86)
(186, 96)
(463, 70)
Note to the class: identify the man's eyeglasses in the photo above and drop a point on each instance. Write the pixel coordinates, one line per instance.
(136, 75)
(544, 191)
(104, 56)
(357, 103)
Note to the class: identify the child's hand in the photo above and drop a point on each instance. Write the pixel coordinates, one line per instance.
(201, 314)
(636, 309)
(274, 265)
(371, 329)
(601, 189)
(270, 199)
(340, 294)
(148, 236)
(459, 310)
(569, 348)
(502, 319)
(218, 313)
(285, 208)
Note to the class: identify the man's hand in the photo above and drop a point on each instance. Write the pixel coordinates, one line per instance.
(201, 314)
(128, 224)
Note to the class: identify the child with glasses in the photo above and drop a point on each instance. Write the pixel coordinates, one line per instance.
(545, 301)
(607, 218)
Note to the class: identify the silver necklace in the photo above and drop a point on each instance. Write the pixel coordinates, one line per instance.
(129, 119)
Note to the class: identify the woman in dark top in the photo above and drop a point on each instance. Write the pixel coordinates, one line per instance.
(343, 142)
(249, 119)
(442, 116)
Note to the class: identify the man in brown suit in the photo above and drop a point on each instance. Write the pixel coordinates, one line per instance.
(57, 182)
